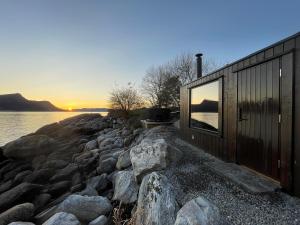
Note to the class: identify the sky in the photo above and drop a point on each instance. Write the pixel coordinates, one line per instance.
(73, 52)
(208, 91)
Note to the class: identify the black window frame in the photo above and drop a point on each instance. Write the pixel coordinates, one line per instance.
(220, 109)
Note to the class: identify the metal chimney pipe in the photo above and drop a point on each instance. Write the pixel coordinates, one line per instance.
(199, 64)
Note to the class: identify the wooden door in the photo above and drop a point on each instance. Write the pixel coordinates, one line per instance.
(259, 117)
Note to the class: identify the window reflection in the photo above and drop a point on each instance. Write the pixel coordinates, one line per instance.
(204, 107)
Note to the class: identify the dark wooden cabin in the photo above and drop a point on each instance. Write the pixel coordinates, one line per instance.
(248, 112)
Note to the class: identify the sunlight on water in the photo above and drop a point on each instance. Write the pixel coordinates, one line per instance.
(16, 124)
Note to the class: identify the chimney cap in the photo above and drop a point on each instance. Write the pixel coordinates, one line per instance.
(199, 55)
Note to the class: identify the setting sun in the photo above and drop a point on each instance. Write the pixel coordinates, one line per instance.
(70, 109)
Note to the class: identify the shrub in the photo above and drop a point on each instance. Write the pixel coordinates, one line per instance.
(158, 114)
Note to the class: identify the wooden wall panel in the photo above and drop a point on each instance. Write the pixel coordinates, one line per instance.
(297, 120)
(225, 146)
(286, 129)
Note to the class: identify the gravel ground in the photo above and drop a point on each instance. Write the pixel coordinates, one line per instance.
(191, 178)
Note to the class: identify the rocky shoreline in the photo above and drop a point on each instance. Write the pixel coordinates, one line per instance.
(94, 170)
(89, 170)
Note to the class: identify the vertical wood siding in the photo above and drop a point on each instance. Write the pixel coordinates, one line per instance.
(258, 69)
(296, 177)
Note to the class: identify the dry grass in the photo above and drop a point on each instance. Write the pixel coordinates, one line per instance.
(121, 214)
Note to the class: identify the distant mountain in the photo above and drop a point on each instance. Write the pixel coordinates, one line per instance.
(16, 102)
(90, 110)
(205, 106)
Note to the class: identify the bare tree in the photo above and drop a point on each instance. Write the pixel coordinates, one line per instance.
(161, 84)
(184, 66)
(125, 98)
(161, 87)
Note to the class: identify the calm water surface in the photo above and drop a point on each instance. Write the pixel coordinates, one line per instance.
(16, 124)
(209, 118)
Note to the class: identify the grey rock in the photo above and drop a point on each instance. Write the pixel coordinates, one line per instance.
(59, 188)
(5, 186)
(100, 139)
(198, 211)
(98, 182)
(41, 200)
(91, 145)
(21, 223)
(156, 202)
(123, 160)
(85, 208)
(128, 140)
(55, 164)
(65, 173)
(38, 161)
(107, 166)
(89, 191)
(22, 176)
(77, 188)
(62, 218)
(45, 214)
(20, 212)
(17, 194)
(125, 187)
(76, 179)
(119, 143)
(101, 220)
(137, 131)
(153, 155)
(148, 156)
(106, 142)
(125, 132)
(8, 166)
(28, 147)
(13, 173)
(39, 176)
(83, 156)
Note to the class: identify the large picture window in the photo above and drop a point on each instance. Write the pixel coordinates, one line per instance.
(204, 107)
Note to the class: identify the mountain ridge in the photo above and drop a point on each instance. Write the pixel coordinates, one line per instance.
(205, 106)
(16, 102)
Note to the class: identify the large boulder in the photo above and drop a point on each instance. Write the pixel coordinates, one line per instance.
(123, 160)
(149, 155)
(19, 194)
(85, 208)
(198, 211)
(28, 147)
(62, 218)
(156, 202)
(101, 220)
(125, 187)
(22, 212)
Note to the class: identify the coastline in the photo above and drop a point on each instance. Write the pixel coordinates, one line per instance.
(89, 169)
